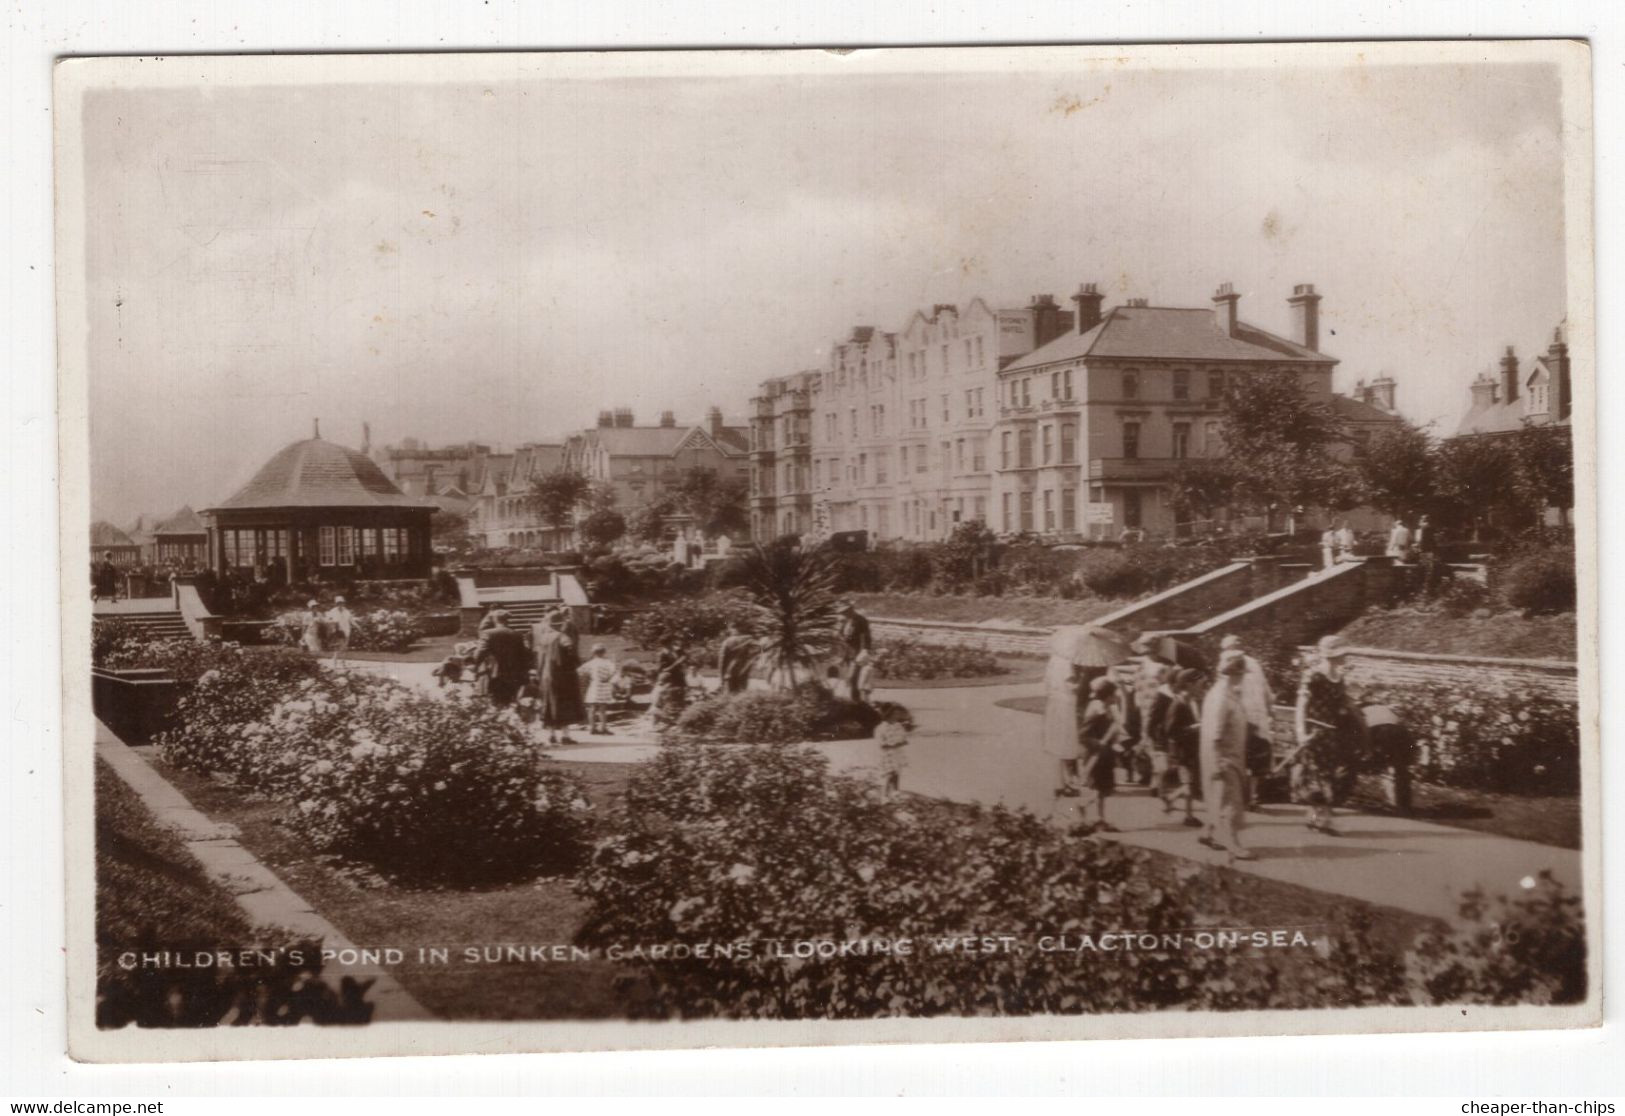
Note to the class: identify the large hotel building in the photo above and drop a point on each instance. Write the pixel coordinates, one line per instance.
(1063, 423)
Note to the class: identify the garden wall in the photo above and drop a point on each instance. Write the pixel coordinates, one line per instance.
(999, 638)
(1192, 601)
(1375, 666)
(1304, 609)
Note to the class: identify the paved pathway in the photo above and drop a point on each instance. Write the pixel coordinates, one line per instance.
(126, 605)
(967, 748)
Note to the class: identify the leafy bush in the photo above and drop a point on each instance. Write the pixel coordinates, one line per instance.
(231, 687)
(697, 622)
(809, 712)
(1528, 951)
(1489, 738)
(1460, 596)
(784, 892)
(379, 630)
(1539, 580)
(425, 788)
(910, 658)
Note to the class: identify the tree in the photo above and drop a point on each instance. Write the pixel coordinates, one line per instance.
(1475, 476)
(1544, 475)
(555, 497)
(602, 527)
(1398, 469)
(602, 497)
(1279, 446)
(647, 524)
(1199, 487)
(717, 506)
(448, 531)
(794, 594)
(966, 555)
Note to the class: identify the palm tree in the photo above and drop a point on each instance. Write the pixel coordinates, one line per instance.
(796, 621)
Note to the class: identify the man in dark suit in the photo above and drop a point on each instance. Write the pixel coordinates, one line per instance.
(854, 633)
(506, 656)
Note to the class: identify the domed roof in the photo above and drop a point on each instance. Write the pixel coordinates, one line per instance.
(318, 474)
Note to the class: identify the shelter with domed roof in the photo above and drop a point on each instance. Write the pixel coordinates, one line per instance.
(319, 511)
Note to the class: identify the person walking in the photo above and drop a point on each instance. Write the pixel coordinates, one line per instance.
(1399, 541)
(1182, 729)
(104, 579)
(1330, 732)
(565, 622)
(1328, 548)
(556, 666)
(736, 657)
(892, 737)
(311, 628)
(1101, 734)
(670, 696)
(599, 673)
(1147, 673)
(1064, 683)
(1257, 700)
(341, 623)
(506, 662)
(1345, 542)
(1224, 759)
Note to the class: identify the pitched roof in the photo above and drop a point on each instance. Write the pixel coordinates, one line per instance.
(1167, 333)
(319, 474)
(534, 460)
(640, 441)
(1350, 409)
(103, 533)
(183, 522)
(736, 438)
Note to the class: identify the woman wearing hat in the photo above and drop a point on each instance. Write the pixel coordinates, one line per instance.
(341, 623)
(1100, 733)
(1224, 759)
(311, 627)
(1331, 734)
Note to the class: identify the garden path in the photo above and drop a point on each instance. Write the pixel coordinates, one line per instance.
(968, 748)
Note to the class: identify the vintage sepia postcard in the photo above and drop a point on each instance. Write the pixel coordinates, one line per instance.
(602, 550)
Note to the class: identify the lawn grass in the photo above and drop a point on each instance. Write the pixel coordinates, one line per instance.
(148, 887)
(1041, 612)
(373, 911)
(1507, 635)
(1544, 820)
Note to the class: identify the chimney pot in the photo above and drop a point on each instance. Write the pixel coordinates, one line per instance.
(667, 418)
(1509, 376)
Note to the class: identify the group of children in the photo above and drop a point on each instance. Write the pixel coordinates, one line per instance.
(604, 685)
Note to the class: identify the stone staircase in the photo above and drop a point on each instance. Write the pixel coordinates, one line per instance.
(523, 614)
(158, 624)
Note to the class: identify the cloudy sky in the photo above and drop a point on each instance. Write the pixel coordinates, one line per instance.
(501, 259)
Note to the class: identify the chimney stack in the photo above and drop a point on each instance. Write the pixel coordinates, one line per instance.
(667, 419)
(606, 418)
(1382, 392)
(1225, 302)
(713, 422)
(366, 437)
(1088, 299)
(623, 417)
(1557, 355)
(1046, 316)
(1509, 376)
(1305, 305)
(316, 428)
(1139, 303)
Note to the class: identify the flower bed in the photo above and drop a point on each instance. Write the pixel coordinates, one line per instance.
(697, 623)
(801, 886)
(1486, 738)
(808, 712)
(911, 659)
(437, 789)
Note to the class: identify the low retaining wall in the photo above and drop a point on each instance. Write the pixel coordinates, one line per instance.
(137, 704)
(1003, 639)
(1376, 666)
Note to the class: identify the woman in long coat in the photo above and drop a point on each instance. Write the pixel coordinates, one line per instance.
(312, 633)
(557, 678)
(1061, 724)
(1331, 737)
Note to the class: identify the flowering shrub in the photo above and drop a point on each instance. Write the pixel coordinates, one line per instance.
(1539, 580)
(780, 891)
(1489, 738)
(437, 789)
(910, 658)
(380, 630)
(1528, 951)
(808, 712)
(230, 687)
(696, 622)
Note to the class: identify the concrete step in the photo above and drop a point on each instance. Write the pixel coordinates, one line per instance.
(154, 625)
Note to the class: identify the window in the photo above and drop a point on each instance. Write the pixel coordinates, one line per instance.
(882, 467)
(1049, 509)
(1212, 442)
(920, 462)
(1008, 521)
(1027, 391)
(902, 459)
(327, 546)
(1004, 451)
(947, 456)
(1182, 384)
(959, 454)
(1066, 384)
(969, 352)
(392, 544)
(1131, 439)
(1055, 385)
(1026, 511)
(1131, 508)
(863, 468)
(1047, 438)
(978, 452)
(1069, 509)
(1215, 384)
(1131, 384)
(852, 421)
(1024, 448)
(980, 514)
(1069, 443)
(1182, 439)
(945, 415)
(945, 360)
(980, 359)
